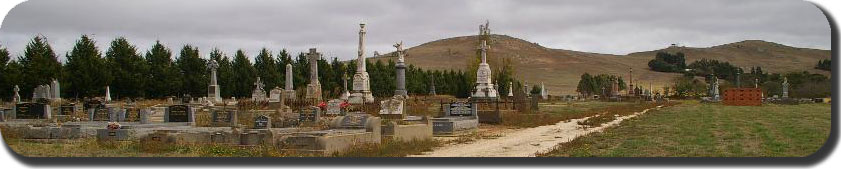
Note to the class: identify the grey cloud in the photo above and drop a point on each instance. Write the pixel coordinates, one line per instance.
(601, 26)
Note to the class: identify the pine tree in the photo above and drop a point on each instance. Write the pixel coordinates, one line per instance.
(266, 67)
(39, 65)
(6, 85)
(128, 69)
(244, 75)
(193, 72)
(164, 76)
(86, 70)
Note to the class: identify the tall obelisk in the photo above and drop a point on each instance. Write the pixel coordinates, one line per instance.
(314, 88)
(484, 85)
(361, 86)
(289, 90)
(401, 71)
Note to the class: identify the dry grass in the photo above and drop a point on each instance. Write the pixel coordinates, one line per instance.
(553, 113)
(391, 148)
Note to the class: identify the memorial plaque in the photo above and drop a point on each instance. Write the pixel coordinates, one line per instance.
(178, 113)
(334, 107)
(309, 114)
(461, 109)
(222, 116)
(262, 122)
(354, 121)
(30, 110)
(67, 109)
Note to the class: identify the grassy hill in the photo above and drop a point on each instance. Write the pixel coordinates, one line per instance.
(560, 69)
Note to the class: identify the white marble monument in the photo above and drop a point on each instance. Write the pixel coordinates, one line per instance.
(314, 88)
(289, 91)
(361, 85)
(213, 89)
(484, 85)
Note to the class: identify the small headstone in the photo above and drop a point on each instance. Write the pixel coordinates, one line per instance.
(334, 107)
(262, 122)
(354, 120)
(460, 109)
(392, 109)
(311, 114)
(2, 115)
(67, 109)
(32, 111)
(179, 113)
(223, 118)
(144, 115)
(275, 94)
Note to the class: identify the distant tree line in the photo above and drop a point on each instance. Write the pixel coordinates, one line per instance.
(825, 64)
(666, 62)
(600, 84)
(154, 74)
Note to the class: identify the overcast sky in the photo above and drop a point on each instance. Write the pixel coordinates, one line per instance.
(601, 26)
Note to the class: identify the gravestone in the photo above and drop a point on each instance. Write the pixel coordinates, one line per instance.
(262, 122)
(32, 111)
(223, 118)
(144, 115)
(258, 94)
(353, 121)
(309, 115)
(116, 114)
(2, 115)
(334, 107)
(179, 113)
(392, 108)
(275, 94)
(68, 109)
(460, 109)
(132, 114)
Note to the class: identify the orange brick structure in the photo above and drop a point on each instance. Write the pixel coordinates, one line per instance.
(743, 96)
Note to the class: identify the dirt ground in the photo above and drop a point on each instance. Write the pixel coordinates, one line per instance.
(498, 141)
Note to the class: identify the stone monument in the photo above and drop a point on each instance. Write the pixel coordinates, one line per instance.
(714, 85)
(107, 94)
(346, 93)
(510, 89)
(275, 94)
(545, 94)
(314, 88)
(289, 91)
(213, 88)
(55, 94)
(401, 71)
(785, 87)
(16, 98)
(432, 88)
(361, 85)
(484, 85)
(258, 94)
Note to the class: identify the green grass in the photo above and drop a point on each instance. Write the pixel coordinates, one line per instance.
(710, 130)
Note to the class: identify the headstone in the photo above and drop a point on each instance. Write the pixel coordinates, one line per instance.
(32, 111)
(484, 85)
(262, 122)
(460, 109)
(41, 92)
(510, 89)
(179, 113)
(545, 94)
(346, 93)
(361, 84)
(68, 109)
(16, 98)
(2, 115)
(392, 108)
(309, 115)
(354, 121)
(223, 118)
(56, 91)
(213, 89)
(144, 115)
(334, 107)
(314, 88)
(116, 114)
(258, 94)
(275, 94)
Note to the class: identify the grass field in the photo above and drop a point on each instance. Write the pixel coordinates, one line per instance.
(693, 129)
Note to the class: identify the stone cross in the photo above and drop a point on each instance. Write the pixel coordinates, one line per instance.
(399, 52)
(313, 57)
(259, 84)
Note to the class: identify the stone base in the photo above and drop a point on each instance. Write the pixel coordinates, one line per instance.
(63, 132)
(361, 98)
(314, 92)
(454, 125)
(114, 135)
(414, 130)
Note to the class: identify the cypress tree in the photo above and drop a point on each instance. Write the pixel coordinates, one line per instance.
(244, 75)
(128, 69)
(39, 65)
(193, 72)
(86, 71)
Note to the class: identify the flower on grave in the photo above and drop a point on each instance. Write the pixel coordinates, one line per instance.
(113, 126)
(322, 105)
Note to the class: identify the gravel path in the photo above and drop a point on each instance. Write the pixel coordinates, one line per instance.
(523, 142)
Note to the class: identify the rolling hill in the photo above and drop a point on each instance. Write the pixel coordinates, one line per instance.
(560, 69)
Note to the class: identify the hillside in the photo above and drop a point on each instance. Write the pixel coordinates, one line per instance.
(560, 69)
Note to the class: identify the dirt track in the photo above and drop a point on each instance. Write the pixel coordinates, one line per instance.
(523, 142)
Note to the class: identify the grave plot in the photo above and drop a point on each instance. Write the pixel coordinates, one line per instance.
(344, 132)
(398, 126)
(52, 132)
(459, 118)
(32, 111)
(223, 118)
(179, 114)
(491, 110)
